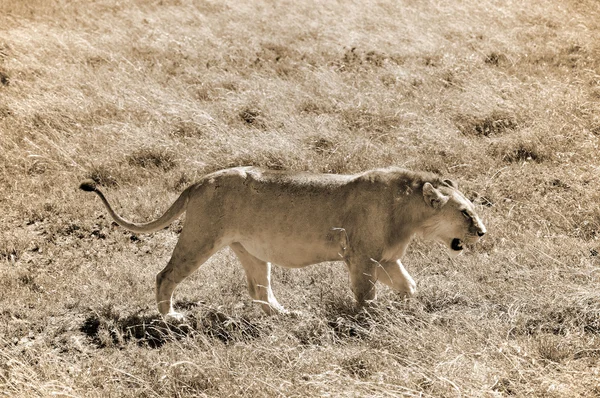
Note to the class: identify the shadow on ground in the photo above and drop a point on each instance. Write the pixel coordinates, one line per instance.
(110, 328)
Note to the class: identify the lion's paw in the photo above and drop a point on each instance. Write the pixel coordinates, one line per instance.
(174, 316)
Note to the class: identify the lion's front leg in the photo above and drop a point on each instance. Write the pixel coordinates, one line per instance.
(363, 276)
(394, 275)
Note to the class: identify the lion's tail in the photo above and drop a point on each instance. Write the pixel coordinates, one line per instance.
(167, 218)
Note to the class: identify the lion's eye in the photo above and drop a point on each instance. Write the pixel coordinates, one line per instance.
(466, 214)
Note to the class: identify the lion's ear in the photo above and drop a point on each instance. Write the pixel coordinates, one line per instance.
(451, 183)
(434, 197)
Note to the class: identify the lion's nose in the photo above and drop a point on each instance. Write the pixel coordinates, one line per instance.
(480, 233)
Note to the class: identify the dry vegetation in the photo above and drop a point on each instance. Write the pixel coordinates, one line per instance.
(145, 96)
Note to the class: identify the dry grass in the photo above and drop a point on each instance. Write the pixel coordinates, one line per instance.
(144, 97)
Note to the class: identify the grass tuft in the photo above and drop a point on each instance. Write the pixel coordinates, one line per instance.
(229, 329)
(104, 176)
(496, 59)
(4, 78)
(252, 116)
(153, 158)
(358, 367)
(322, 146)
(521, 151)
(188, 129)
(495, 123)
(552, 348)
(372, 123)
(266, 159)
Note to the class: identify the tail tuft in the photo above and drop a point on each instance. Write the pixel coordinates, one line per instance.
(88, 186)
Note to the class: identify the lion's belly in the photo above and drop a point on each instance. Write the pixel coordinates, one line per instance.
(291, 232)
(289, 221)
(292, 251)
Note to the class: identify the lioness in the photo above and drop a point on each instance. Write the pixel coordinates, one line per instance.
(296, 219)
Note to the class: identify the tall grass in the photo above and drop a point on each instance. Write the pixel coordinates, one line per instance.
(145, 97)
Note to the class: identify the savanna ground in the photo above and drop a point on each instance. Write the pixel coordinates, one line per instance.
(146, 96)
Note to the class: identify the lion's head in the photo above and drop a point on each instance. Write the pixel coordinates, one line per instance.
(454, 221)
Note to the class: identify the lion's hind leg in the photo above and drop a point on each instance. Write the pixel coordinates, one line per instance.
(258, 275)
(189, 254)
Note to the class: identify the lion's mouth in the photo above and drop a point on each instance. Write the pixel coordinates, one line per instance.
(456, 244)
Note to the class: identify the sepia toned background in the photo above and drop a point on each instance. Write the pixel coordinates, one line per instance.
(146, 96)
